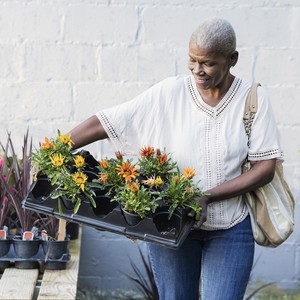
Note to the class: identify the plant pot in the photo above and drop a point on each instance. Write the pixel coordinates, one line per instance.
(131, 219)
(55, 254)
(104, 206)
(4, 249)
(55, 249)
(25, 251)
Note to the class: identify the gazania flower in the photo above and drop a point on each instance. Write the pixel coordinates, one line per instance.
(57, 159)
(162, 159)
(103, 163)
(79, 161)
(188, 173)
(134, 186)
(175, 179)
(147, 152)
(103, 178)
(46, 144)
(127, 171)
(119, 155)
(66, 139)
(80, 179)
(153, 182)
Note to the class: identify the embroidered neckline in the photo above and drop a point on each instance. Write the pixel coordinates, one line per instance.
(214, 112)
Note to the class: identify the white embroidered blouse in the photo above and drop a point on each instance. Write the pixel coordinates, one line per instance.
(172, 115)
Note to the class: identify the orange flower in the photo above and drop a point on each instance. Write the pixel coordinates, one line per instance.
(134, 186)
(47, 144)
(103, 177)
(127, 171)
(175, 179)
(103, 163)
(189, 173)
(147, 152)
(162, 159)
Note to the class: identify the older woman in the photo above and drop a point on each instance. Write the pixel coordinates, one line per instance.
(198, 118)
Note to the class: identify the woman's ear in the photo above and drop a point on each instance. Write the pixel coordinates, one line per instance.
(234, 58)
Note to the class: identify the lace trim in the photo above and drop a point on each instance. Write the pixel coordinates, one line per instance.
(108, 128)
(220, 109)
(265, 154)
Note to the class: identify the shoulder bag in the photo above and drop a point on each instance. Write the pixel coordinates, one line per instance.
(271, 207)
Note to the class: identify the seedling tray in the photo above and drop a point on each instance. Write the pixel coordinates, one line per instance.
(39, 257)
(108, 216)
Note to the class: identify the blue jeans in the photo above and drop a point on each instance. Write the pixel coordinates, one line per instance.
(222, 259)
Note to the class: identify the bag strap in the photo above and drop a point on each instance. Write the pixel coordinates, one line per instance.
(250, 108)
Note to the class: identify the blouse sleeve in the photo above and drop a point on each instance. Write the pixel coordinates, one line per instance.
(264, 138)
(132, 123)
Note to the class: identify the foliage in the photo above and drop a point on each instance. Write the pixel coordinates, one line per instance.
(138, 187)
(180, 191)
(65, 169)
(146, 285)
(15, 180)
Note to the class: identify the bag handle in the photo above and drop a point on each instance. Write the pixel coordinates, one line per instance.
(250, 108)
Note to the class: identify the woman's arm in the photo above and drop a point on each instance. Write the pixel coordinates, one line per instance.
(261, 173)
(87, 132)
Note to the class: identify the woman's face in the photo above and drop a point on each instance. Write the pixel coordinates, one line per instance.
(210, 69)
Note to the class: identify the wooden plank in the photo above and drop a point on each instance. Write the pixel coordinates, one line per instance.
(62, 284)
(18, 284)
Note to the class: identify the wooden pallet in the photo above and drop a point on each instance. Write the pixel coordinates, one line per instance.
(21, 284)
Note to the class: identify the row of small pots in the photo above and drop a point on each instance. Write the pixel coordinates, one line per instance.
(27, 254)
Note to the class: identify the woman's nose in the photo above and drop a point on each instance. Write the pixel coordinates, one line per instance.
(198, 69)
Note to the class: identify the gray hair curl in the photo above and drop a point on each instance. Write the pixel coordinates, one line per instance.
(215, 34)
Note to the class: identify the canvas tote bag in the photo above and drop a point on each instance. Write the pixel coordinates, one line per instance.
(271, 207)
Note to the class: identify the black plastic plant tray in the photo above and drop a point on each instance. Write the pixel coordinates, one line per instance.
(40, 256)
(108, 216)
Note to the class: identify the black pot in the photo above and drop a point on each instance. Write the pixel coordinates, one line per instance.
(25, 251)
(131, 219)
(55, 249)
(104, 206)
(4, 249)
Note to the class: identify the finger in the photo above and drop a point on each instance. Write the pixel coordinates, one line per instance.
(191, 213)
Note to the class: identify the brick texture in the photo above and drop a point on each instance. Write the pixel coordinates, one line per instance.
(61, 61)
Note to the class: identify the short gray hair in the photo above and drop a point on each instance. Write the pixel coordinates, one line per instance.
(215, 34)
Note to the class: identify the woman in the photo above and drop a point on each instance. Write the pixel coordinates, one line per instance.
(199, 119)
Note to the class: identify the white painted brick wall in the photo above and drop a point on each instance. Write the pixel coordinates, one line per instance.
(62, 60)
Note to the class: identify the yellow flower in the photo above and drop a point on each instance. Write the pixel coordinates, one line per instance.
(79, 161)
(152, 181)
(80, 179)
(66, 139)
(103, 163)
(57, 159)
(189, 173)
(158, 181)
(47, 144)
(127, 171)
